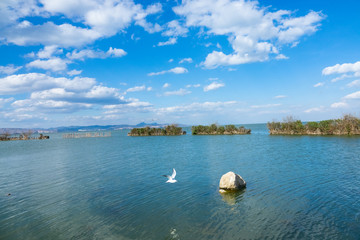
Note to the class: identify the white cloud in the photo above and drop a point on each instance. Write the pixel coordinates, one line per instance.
(88, 53)
(280, 96)
(355, 95)
(175, 29)
(49, 51)
(342, 68)
(342, 77)
(115, 52)
(193, 85)
(339, 105)
(176, 70)
(53, 64)
(136, 89)
(51, 34)
(281, 56)
(171, 41)
(166, 85)
(253, 32)
(180, 92)
(30, 82)
(134, 105)
(320, 84)
(189, 60)
(315, 109)
(149, 89)
(9, 69)
(49, 106)
(171, 60)
(355, 83)
(99, 19)
(3, 101)
(266, 105)
(198, 107)
(11, 11)
(213, 86)
(74, 72)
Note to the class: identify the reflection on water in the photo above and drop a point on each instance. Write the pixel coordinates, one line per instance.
(232, 197)
(112, 188)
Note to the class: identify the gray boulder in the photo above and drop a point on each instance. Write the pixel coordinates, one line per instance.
(231, 181)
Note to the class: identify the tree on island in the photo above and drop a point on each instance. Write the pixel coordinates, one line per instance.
(170, 130)
(214, 129)
(348, 125)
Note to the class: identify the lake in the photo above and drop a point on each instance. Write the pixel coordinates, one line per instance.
(298, 187)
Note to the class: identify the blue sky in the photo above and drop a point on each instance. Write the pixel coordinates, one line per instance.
(104, 62)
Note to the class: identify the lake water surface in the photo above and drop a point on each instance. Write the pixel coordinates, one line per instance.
(298, 187)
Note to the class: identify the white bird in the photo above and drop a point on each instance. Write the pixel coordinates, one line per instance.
(172, 177)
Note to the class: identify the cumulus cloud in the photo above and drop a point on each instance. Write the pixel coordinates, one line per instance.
(173, 30)
(188, 60)
(74, 72)
(49, 51)
(48, 106)
(176, 70)
(60, 94)
(89, 53)
(343, 68)
(180, 92)
(24, 83)
(166, 85)
(171, 41)
(9, 69)
(355, 95)
(213, 86)
(99, 18)
(50, 34)
(339, 105)
(253, 32)
(53, 64)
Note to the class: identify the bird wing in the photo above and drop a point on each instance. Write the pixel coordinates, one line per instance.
(173, 173)
(169, 177)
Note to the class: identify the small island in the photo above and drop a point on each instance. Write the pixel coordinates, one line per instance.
(214, 129)
(348, 125)
(170, 130)
(21, 136)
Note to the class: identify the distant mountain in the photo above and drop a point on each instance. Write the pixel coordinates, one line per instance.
(83, 128)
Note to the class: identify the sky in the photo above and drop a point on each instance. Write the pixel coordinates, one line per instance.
(87, 62)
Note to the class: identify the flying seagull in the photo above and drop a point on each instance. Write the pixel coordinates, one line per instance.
(172, 177)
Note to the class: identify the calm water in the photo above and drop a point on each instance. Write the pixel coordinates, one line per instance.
(112, 188)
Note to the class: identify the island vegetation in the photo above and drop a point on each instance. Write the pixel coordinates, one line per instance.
(214, 129)
(21, 136)
(348, 125)
(170, 130)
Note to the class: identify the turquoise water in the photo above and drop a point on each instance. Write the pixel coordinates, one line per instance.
(298, 187)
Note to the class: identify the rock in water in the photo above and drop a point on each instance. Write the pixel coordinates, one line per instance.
(232, 181)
